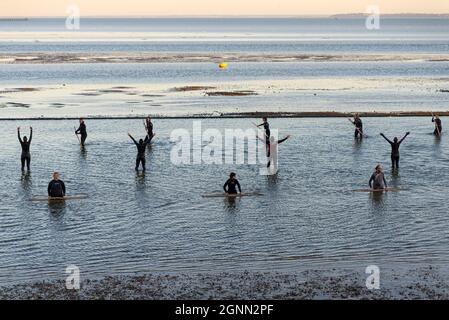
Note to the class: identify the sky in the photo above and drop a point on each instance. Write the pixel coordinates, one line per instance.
(33, 8)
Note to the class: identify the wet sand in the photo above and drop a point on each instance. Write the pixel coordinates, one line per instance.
(243, 115)
(421, 283)
(148, 57)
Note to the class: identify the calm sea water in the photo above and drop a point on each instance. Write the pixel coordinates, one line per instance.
(354, 85)
(308, 216)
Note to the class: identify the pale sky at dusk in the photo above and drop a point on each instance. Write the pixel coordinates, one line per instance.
(30, 8)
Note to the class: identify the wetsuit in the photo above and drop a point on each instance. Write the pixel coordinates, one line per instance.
(141, 148)
(26, 156)
(230, 186)
(149, 127)
(269, 152)
(438, 126)
(395, 151)
(83, 132)
(378, 181)
(358, 128)
(266, 127)
(56, 189)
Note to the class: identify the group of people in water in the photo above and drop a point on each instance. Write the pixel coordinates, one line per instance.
(377, 180)
(56, 187)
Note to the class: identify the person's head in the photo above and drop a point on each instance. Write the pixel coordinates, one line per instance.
(357, 115)
(232, 175)
(437, 117)
(141, 141)
(395, 139)
(56, 175)
(81, 120)
(25, 139)
(379, 168)
(149, 117)
(265, 119)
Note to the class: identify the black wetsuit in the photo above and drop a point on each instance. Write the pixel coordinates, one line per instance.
(438, 126)
(395, 156)
(269, 151)
(26, 155)
(266, 127)
(141, 148)
(358, 128)
(378, 181)
(56, 189)
(149, 127)
(83, 132)
(230, 186)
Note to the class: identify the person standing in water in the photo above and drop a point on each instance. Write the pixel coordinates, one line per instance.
(25, 144)
(141, 148)
(357, 122)
(266, 127)
(438, 125)
(395, 144)
(82, 131)
(273, 151)
(56, 187)
(149, 128)
(377, 180)
(230, 187)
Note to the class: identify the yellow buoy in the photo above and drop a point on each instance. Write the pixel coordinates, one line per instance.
(223, 65)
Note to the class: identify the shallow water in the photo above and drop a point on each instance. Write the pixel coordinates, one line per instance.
(308, 217)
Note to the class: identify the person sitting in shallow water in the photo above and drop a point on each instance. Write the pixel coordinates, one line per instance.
(377, 180)
(230, 187)
(56, 187)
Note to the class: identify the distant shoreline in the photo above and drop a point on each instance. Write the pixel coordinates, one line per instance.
(244, 115)
(306, 16)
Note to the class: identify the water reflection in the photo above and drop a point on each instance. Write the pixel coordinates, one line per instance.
(57, 210)
(231, 204)
(26, 182)
(377, 202)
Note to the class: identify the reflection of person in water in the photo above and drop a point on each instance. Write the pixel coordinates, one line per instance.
(25, 144)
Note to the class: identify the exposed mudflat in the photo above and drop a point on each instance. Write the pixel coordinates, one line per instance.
(422, 283)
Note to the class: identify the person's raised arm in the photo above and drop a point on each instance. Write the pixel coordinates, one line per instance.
(31, 134)
(18, 134)
(404, 137)
(285, 139)
(389, 141)
(135, 142)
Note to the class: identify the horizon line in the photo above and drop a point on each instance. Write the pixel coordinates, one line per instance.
(228, 16)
